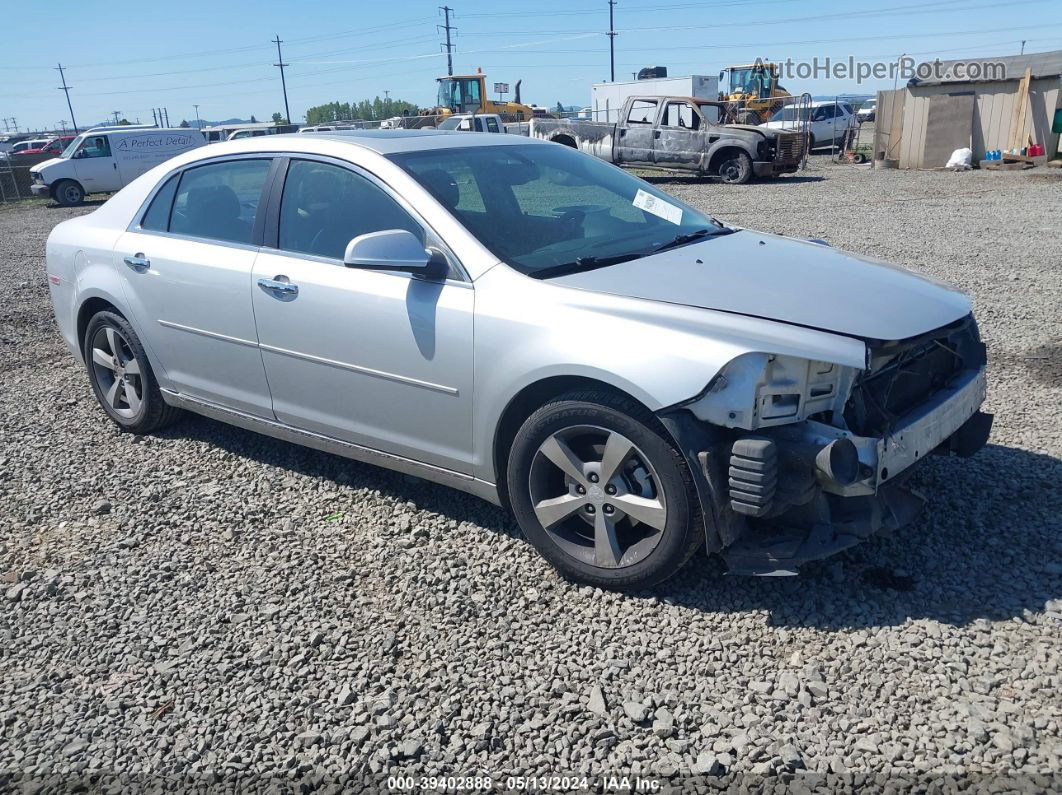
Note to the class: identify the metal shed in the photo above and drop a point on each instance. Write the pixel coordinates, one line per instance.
(930, 118)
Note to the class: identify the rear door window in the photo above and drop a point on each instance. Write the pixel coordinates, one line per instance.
(492, 124)
(642, 112)
(219, 201)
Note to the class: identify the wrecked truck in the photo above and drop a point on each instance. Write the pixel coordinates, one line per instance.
(680, 134)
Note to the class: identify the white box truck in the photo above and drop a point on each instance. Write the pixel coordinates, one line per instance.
(106, 159)
(607, 99)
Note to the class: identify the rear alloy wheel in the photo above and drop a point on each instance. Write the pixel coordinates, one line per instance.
(121, 376)
(69, 194)
(736, 169)
(602, 493)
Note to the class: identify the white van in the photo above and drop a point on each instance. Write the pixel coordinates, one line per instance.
(107, 159)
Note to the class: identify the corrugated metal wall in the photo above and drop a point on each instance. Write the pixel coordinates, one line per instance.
(992, 116)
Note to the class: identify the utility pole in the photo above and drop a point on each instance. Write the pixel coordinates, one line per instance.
(198, 124)
(166, 112)
(116, 113)
(66, 90)
(283, 84)
(611, 41)
(154, 118)
(62, 123)
(449, 46)
(1023, 46)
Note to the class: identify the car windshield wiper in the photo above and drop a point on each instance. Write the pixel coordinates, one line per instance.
(681, 240)
(585, 264)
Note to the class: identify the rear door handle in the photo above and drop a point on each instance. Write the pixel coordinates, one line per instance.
(138, 262)
(280, 287)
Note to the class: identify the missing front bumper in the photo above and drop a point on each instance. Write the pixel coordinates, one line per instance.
(809, 512)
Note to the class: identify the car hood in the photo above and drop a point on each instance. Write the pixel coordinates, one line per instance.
(45, 164)
(788, 280)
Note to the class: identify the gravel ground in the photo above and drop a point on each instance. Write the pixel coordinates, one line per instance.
(209, 605)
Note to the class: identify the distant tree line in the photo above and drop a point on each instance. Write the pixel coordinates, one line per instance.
(366, 110)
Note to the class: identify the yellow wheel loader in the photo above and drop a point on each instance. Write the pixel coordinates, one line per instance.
(752, 92)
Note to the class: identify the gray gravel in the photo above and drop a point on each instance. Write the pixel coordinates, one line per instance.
(209, 605)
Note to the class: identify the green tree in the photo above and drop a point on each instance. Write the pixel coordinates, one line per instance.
(364, 110)
(124, 121)
(184, 123)
(253, 119)
(560, 107)
(279, 119)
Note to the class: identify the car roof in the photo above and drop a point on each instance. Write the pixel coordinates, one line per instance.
(387, 142)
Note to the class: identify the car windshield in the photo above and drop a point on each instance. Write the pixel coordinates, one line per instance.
(72, 146)
(541, 208)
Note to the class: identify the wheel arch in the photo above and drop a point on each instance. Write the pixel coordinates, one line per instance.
(564, 139)
(54, 187)
(89, 308)
(526, 402)
(724, 152)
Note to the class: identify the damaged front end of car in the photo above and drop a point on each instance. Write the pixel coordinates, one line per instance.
(796, 460)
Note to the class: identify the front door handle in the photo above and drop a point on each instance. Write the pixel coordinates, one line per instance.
(138, 262)
(280, 287)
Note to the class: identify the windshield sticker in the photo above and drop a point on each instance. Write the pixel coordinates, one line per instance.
(658, 207)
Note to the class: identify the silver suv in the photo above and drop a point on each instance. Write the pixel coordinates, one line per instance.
(524, 322)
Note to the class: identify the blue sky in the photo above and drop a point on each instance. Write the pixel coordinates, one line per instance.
(133, 57)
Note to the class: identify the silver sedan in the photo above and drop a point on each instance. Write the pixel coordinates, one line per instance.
(524, 322)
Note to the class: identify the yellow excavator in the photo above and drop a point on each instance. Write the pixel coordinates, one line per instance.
(468, 94)
(752, 92)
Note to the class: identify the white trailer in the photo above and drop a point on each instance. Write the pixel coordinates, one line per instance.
(607, 99)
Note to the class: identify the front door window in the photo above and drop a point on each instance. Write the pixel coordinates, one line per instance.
(96, 146)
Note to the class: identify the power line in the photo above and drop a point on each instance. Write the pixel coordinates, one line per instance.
(66, 90)
(283, 84)
(449, 47)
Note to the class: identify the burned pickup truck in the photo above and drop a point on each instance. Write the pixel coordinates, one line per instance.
(682, 134)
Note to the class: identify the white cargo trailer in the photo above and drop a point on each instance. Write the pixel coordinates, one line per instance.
(607, 99)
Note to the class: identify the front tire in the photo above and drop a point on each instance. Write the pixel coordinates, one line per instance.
(736, 169)
(69, 193)
(602, 492)
(121, 376)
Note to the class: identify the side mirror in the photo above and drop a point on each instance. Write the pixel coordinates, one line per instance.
(394, 250)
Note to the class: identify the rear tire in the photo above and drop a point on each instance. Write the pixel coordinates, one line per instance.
(121, 376)
(736, 169)
(68, 193)
(616, 457)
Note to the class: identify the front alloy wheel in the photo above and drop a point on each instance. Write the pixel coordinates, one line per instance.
(602, 492)
(597, 496)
